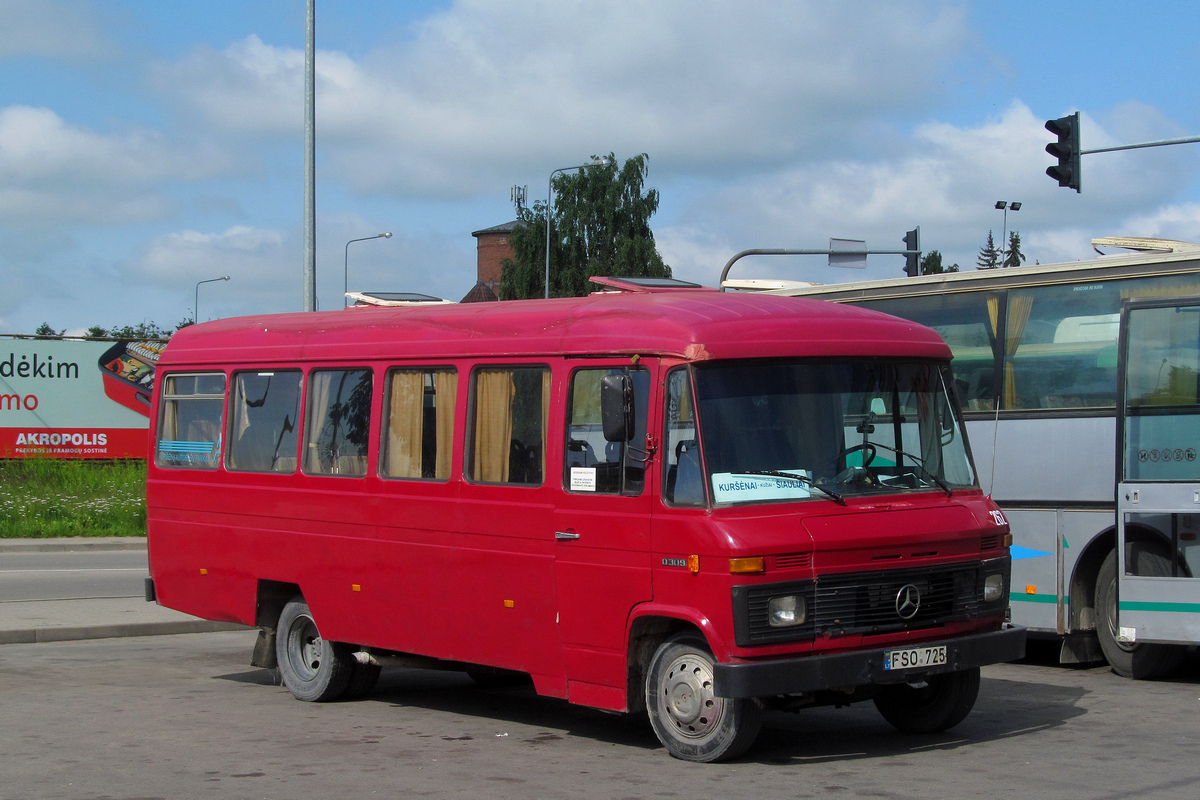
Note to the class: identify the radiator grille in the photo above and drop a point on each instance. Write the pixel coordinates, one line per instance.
(858, 603)
(867, 603)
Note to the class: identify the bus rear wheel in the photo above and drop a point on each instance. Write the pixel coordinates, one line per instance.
(939, 703)
(313, 669)
(692, 722)
(1141, 660)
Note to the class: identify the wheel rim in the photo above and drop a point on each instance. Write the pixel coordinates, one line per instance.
(688, 700)
(305, 647)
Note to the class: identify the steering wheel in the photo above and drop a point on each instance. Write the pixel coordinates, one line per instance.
(868, 450)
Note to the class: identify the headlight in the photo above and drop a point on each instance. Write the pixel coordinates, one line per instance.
(993, 588)
(783, 612)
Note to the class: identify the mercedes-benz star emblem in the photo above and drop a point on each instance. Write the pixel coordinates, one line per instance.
(908, 601)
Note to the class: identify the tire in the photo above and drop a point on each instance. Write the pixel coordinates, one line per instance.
(941, 703)
(362, 682)
(691, 722)
(1143, 660)
(313, 669)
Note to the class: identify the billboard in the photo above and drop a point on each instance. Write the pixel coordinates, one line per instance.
(75, 398)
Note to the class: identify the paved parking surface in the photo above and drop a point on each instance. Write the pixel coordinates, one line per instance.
(184, 716)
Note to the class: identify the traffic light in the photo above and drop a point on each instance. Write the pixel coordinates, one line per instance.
(1066, 150)
(912, 261)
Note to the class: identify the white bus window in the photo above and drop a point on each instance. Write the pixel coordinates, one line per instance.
(339, 422)
(263, 431)
(189, 433)
(419, 426)
(1060, 347)
(967, 322)
(509, 410)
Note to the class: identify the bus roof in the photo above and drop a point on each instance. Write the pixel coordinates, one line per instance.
(1106, 267)
(688, 324)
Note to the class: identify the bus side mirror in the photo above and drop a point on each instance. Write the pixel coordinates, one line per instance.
(616, 407)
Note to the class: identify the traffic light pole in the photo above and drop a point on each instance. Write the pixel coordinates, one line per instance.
(729, 264)
(1067, 149)
(1163, 143)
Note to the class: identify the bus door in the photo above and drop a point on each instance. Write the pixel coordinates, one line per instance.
(1158, 491)
(602, 523)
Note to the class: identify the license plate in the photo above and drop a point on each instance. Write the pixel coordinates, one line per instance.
(914, 657)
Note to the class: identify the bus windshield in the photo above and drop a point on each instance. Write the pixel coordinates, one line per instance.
(788, 430)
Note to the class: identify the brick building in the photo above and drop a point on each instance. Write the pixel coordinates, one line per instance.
(492, 247)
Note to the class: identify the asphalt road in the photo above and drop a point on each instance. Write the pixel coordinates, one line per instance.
(184, 716)
(71, 575)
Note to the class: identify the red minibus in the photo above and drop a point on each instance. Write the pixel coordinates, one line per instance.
(674, 500)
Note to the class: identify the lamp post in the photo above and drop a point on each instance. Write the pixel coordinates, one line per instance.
(1005, 206)
(602, 161)
(196, 307)
(346, 262)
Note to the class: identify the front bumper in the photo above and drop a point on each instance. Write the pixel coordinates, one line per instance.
(863, 667)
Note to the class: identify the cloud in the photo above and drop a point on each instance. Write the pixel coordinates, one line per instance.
(53, 172)
(56, 29)
(265, 266)
(946, 179)
(484, 90)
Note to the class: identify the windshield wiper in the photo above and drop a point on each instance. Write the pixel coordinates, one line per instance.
(919, 463)
(775, 473)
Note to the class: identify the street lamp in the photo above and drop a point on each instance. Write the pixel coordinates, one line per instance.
(1001, 204)
(346, 262)
(601, 161)
(196, 307)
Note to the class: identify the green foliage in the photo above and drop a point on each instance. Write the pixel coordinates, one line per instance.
(989, 255)
(601, 226)
(45, 330)
(96, 332)
(931, 264)
(45, 497)
(1013, 255)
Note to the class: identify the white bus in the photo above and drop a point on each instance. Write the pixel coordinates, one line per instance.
(1036, 367)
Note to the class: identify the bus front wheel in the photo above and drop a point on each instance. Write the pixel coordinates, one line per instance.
(692, 722)
(313, 669)
(932, 706)
(1140, 660)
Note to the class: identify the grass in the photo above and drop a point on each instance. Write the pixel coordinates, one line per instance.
(42, 498)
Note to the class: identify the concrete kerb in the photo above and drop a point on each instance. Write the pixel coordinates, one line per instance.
(28, 622)
(73, 543)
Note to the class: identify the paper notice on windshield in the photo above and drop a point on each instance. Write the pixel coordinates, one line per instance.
(737, 487)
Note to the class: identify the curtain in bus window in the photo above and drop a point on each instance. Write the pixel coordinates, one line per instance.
(494, 393)
(1019, 307)
(339, 419)
(445, 385)
(406, 414)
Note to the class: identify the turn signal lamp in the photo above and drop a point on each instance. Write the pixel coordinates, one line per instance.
(747, 565)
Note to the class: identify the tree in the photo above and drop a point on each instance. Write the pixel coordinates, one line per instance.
(601, 226)
(1013, 256)
(45, 330)
(96, 332)
(931, 264)
(989, 256)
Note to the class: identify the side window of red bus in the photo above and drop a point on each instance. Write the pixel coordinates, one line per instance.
(683, 480)
(189, 433)
(592, 463)
(509, 408)
(339, 422)
(418, 434)
(263, 429)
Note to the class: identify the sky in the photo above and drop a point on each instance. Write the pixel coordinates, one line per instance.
(148, 145)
